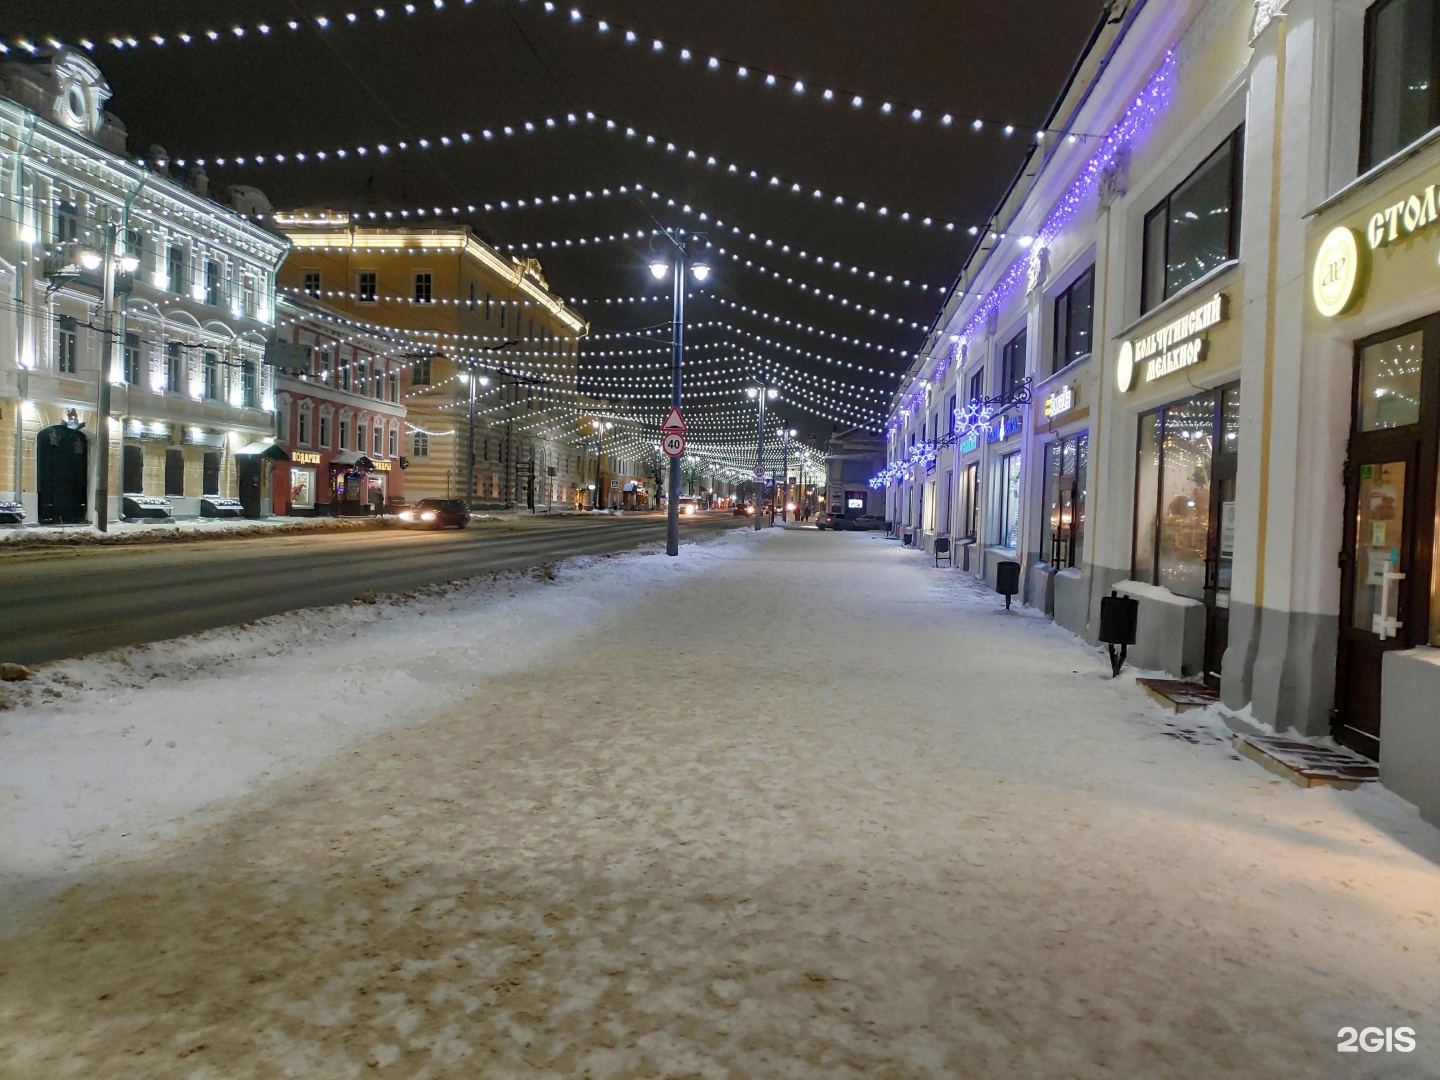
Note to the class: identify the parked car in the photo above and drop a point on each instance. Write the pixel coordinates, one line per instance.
(436, 514)
(861, 523)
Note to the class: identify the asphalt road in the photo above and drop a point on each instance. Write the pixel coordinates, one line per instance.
(60, 602)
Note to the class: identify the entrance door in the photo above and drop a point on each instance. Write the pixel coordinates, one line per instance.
(251, 469)
(62, 474)
(1389, 511)
(1220, 543)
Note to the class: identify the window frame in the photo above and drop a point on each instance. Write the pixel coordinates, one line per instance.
(1367, 86)
(367, 286)
(1234, 142)
(1060, 357)
(1013, 352)
(174, 367)
(310, 283)
(130, 358)
(424, 287)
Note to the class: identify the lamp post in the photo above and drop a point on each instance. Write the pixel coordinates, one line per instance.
(760, 394)
(474, 380)
(601, 426)
(789, 434)
(659, 268)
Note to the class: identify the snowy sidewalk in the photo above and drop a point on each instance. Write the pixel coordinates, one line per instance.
(794, 805)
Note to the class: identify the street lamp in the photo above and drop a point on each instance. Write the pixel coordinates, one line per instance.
(474, 381)
(601, 426)
(760, 394)
(789, 434)
(658, 269)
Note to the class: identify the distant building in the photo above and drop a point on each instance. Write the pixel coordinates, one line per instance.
(339, 414)
(455, 301)
(191, 401)
(851, 458)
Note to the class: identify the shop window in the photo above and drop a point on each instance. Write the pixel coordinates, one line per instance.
(174, 471)
(1066, 465)
(66, 342)
(132, 470)
(1390, 385)
(174, 368)
(1195, 228)
(212, 376)
(1074, 313)
(132, 359)
(312, 283)
(1175, 493)
(424, 285)
(1010, 501)
(1402, 77)
(1012, 366)
(210, 473)
(369, 287)
(302, 487)
(419, 444)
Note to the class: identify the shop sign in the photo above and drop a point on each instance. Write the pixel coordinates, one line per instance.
(1003, 428)
(194, 436)
(380, 466)
(1176, 345)
(1409, 215)
(969, 442)
(152, 430)
(1060, 400)
(1335, 280)
(305, 457)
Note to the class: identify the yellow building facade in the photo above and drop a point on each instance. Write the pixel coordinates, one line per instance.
(465, 309)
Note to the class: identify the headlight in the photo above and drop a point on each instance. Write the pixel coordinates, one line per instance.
(407, 515)
(428, 515)
(749, 510)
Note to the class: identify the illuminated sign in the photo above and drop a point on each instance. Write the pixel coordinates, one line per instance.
(1060, 400)
(1176, 345)
(380, 466)
(969, 442)
(1411, 214)
(305, 457)
(1334, 281)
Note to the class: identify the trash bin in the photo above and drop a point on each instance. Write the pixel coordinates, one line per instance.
(1119, 618)
(1007, 579)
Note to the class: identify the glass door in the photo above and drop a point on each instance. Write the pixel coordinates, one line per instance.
(1389, 532)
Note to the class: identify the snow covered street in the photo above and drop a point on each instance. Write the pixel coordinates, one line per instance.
(694, 817)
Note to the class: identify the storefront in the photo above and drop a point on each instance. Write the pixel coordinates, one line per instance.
(1375, 316)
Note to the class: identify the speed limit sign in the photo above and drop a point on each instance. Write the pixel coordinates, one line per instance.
(673, 443)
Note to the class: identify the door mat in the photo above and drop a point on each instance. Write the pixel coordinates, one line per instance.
(1177, 695)
(1307, 764)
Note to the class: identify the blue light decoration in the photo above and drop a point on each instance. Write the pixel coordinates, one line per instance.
(1138, 117)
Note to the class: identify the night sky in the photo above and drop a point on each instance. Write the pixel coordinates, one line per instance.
(496, 62)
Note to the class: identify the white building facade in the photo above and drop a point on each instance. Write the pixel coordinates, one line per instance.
(1176, 333)
(191, 400)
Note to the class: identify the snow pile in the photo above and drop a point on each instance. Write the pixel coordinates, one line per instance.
(141, 532)
(107, 753)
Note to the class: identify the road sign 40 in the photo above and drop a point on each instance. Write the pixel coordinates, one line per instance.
(1374, 1040)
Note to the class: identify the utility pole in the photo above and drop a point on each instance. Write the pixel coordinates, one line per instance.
(102, 398)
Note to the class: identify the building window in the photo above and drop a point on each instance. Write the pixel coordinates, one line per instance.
(472, 295)
(174, 368)
(420, 372)
(323, 365)
(360, 436)
(1010, 501)
(977, 386)
(302, 487)
(1175, 463)
(419, 444)
(1012, 366)
(362, 376)
(174, 471)
(212, 376)
(392, 379)
(282, 424)
(175, 266)
(67, 223)
(212, 283)
(487, 307)
(1195, 228)
(132, 359)
(423, 293)
(502, 313)
(377, 441)
(369, 286)
(394, 442)
(344, 432)
(1402, 77)
(952, 414)
(249, 385)
(302, 426)
(324, 430)
(345, 375)
(66, 338)
(312, 283)
(1074, 313)
(135, 246)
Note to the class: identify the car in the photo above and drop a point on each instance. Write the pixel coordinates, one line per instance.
(436, 514)
(743, 510)
(861, 523)
(689, 504)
